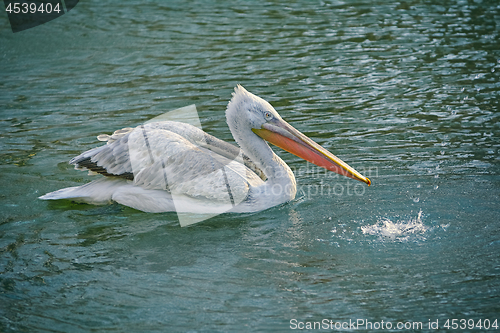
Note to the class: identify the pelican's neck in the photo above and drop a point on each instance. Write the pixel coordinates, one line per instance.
(277, 171)
(241, 112)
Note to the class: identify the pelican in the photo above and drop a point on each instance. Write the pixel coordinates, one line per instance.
(173, 166)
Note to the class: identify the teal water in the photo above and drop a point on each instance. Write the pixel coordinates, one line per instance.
(407, 92)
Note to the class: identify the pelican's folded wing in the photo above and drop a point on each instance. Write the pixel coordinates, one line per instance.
(156, 157)
(202, 139)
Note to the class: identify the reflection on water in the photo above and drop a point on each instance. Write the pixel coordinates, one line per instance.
(409, 90)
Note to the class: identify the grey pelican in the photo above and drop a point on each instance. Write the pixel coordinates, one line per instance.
(172, 166)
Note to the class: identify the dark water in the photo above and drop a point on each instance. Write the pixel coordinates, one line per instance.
(407, 92)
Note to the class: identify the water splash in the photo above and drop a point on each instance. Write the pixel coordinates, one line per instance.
(401, 230)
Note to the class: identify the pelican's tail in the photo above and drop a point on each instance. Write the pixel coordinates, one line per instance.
(98, 192)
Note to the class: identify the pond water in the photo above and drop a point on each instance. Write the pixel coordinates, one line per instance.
(406, 92)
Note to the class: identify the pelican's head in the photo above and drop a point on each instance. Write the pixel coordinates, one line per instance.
(248, 111)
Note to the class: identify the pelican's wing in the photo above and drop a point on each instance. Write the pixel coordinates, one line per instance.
(205, 140)
(155, 156)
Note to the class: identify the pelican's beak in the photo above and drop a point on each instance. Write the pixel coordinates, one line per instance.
(283, 135)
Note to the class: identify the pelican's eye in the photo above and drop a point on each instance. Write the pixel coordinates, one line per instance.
(268, 115)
